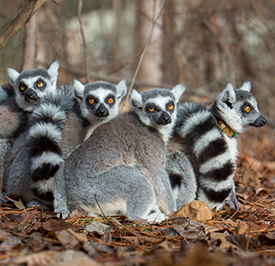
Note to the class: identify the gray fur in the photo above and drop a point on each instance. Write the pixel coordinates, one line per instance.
(212, 153)
(3, 95)
(182, 177)
(73, 135)
(123, 162)
(57, 127)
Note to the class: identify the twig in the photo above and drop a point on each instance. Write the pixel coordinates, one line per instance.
(102, 211)
(142, 55)
(83, 40)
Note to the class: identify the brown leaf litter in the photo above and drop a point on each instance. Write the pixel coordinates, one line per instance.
(194, 235)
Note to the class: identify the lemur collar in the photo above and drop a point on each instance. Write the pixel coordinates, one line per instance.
(227, 130)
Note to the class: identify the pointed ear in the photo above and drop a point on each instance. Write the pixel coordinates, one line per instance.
(136, 99)
(228, 94)
(78, 89)
(178, 91)
(13, 74)
(246, 86)
(121, 88)
(53, 72)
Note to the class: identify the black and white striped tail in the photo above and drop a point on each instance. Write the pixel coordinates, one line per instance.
(46, 125)
(215, 167)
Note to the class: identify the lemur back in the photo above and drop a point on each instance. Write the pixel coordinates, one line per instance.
(58, 125)
(123, 161)
(207, 137)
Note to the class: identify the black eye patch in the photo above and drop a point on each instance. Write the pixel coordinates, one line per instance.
(22, 87)
(40, 84)
(150, 107)
(110, 99)
(247, 108)
(170, 106)
(91, 100)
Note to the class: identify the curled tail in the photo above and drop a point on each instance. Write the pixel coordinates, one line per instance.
(45, 132)
(213, 162)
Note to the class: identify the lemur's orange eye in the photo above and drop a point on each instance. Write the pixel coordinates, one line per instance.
(40, 84)
(170, 107)
(22, 88)
(151, 109)
(110, 100)
(247, 109)
(91, 101)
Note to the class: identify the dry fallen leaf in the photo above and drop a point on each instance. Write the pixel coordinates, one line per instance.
(44, 258)
(67, 239)
(95, 228)
(195, 209)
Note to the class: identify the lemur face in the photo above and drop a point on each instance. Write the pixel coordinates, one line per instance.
(32, 85)
(99, 100)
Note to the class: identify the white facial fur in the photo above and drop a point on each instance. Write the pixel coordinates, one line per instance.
(178, 90)
(121, 89)
(53, 72)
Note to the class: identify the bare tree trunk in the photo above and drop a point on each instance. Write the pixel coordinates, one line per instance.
(85, 59)
(30, 44)
(116, 47)
(150, 68)
(170, 67)
(9, 29)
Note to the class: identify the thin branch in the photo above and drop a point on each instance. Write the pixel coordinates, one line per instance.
(103, 214)
(9, 29)
(83, 41)
(142, 55)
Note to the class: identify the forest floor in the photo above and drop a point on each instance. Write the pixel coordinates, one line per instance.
(229, 237)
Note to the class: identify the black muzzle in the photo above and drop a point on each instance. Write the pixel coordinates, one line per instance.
(101, 111)
(31, 96)
(260, 121)
(164, 119)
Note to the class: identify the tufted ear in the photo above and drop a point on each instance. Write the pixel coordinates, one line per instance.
(13, 74)
(228, 94)
(121, 88)
(178, 90)
(78, 89)
(246, 86)
(136, 99)
(53, 72)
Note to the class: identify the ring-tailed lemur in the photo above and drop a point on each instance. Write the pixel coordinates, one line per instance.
(122, 163)
(19, 98)
(57, 125)
(207, 137)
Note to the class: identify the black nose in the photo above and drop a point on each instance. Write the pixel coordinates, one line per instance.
(31, 95)
(164, 119)
(101, 111)
(260, 121)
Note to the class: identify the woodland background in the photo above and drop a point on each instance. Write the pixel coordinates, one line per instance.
(202, 44)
